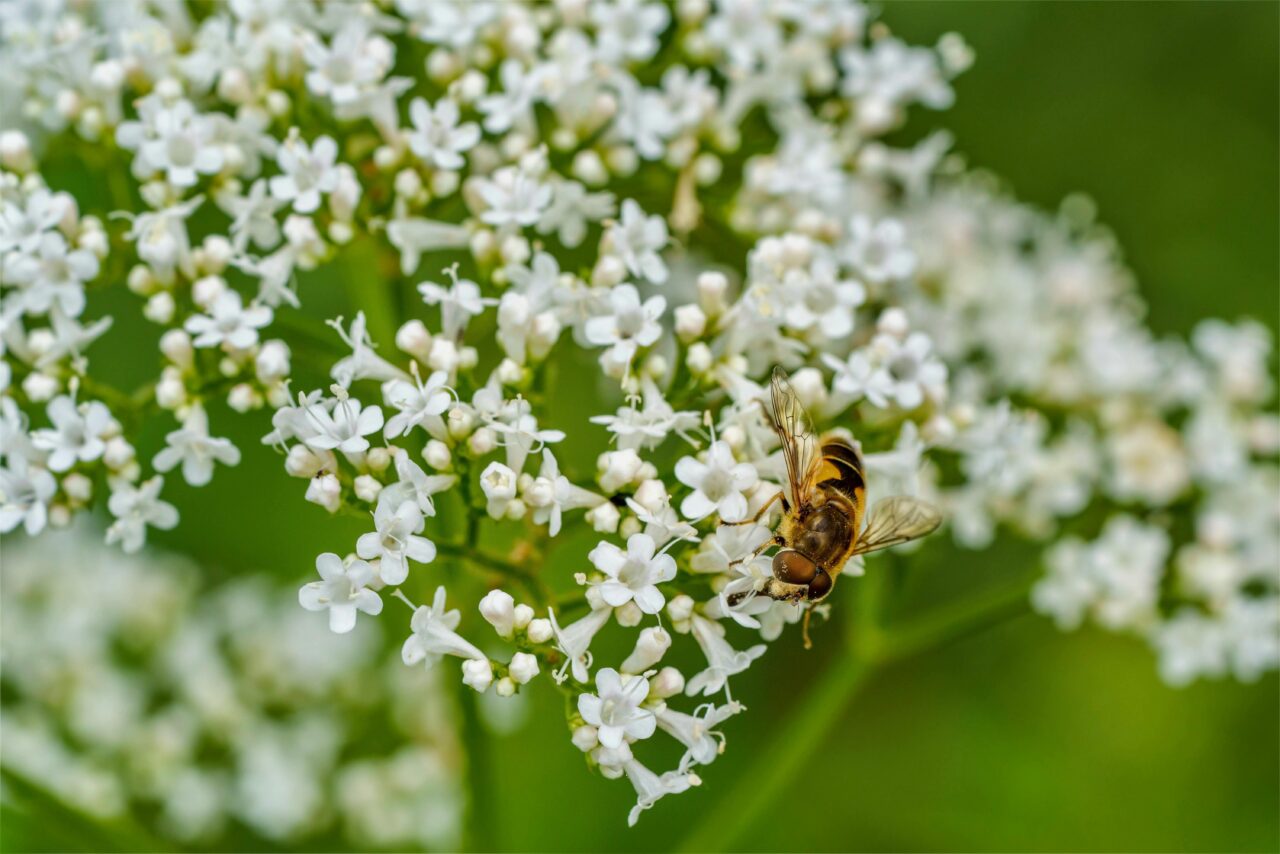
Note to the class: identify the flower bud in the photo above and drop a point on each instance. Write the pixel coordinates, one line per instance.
(15, 151)
(680, 608)
(523, 667)
(523, 616)
(367, 487)
(603, 518)
(699, 358)
(243, 398)
(118, 453)
(326, 491)
(539, 631)
(667, 682)
(618, 469)
(893, 321)
(77, 487)
(272, 361)
(498, 609)
(585, 738)
(302, 461)
(691, 322)
(713, 288)
(483, 441)
(506, 687)
(477, 673)
(377, 459)
(437, 455)
(414, 339)
(652, 644)
(176, 347)
(628, 615)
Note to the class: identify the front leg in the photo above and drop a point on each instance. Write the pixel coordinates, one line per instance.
(756, 518)
(760, 549)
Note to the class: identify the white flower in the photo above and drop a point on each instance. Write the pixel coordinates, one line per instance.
(629, 325)
(723, 660)
(228, 322)
(879, 250)
(718, 484)
(523, 668)
(418, 403)
(639, 240)
(628, 29)
(615, 711)
(77, 433)
(521, 435)
(499, 484)
(52, 275)
(458, 303)
(437, 137)
(135, 508)
(697, 731)
(512, 197)
(551, 493)
(477, 673)
(434, 636)
(633, 575)
(513, 102)
(571, 208)
(343, 590)
(344, 428)
(25, 491)
(183, 146)
(344, 69)
(395, 541)
(415, 485)
(195, 449)
(651, 787)
(574, 640)
(308, 172)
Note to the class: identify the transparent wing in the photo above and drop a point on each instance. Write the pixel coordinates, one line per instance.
(799, 445)
(897, 520)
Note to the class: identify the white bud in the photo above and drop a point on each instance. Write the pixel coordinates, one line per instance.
(207, 289)
(59, 516)
(498, 609)
(15, 151)
(176, 347)
(713, 288)
(699, 359)
(77, 487)
(367, 487)
(509, 373)
(408, 183)
(680, 608)
(171, 393)
(628, 615)
(483, 441)
(609, 271)
(377, 459)
(589, 168)
(326, 491)
(630, 525)
(243, 398)
(603, 518)
(539, 631)
(140, 279)
(618, 469)
(652, 644)
(302, 461)
(218, 253)
(523, 667)
(273, 361)
(234, 85)
(437, 455)
(691, 322)
(477, 673)
(651, 495)
(810, 388)
(893, 321)
(506, 687)
(585, 738)
(523, 616)
(118, 453)
(667, 682)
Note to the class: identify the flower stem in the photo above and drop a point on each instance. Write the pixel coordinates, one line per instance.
(807, 727)
(480, 791)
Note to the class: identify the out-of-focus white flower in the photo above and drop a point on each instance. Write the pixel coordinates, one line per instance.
(77, 433)
(228, 322)
(136, 508)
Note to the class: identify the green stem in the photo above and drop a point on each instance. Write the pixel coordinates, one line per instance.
(872, 647)
(480, 786)
(506, 568)
(759, 788)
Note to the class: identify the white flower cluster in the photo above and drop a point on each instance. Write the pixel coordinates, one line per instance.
(202, 713)
(692, 195)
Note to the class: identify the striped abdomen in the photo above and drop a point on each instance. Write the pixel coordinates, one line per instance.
(841, 472)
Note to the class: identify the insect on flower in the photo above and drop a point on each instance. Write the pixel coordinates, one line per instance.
(821, 527)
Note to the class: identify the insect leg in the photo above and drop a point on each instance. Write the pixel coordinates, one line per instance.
(804, 627)
(763, 507)
(758, 550)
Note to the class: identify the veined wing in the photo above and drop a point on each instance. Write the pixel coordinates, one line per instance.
(897, 520)
(795, 430)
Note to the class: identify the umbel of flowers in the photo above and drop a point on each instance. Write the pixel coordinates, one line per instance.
(692, 194)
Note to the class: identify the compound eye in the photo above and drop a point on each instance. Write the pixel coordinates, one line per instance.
(820, 586)
(792, 567)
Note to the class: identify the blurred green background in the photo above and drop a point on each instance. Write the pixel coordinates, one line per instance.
(1015, 738)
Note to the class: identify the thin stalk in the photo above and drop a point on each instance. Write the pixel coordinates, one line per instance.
(480, 792)
(871, 648)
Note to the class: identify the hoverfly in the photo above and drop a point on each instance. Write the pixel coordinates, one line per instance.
(823, 508)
